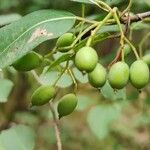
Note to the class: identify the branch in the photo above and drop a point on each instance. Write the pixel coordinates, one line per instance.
(57, 132)
(136, 17)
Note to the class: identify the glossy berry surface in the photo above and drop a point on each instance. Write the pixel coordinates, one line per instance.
(67, 105)
(118, 75)
(97, 77)
(139, 74)
(64, 41)
(86, 59)
(43, 95)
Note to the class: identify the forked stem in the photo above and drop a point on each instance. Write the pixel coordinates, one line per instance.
(93, 33)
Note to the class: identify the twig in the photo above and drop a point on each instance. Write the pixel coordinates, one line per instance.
(93, 32)
(99, 5)
(36, 77)
(127, 25)
(135, 18)
(51, 53)
(133, 48)
(56, 126)
(116, 17)
(117, 58)
(63, 71)
(128, 7)
(73, 79)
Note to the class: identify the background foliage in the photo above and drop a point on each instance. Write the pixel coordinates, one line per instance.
(108, 120)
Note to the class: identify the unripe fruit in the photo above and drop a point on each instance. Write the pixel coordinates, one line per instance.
(146, 59)
(139, 74)
(97, 77)
(43, 95)
(86, 59)
(67, 105)
(28, 62)
(64, 41)
(118, 75)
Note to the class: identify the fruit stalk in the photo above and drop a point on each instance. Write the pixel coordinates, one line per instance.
(73, 79)
(93, 33)
(121, 32)
(133, 48)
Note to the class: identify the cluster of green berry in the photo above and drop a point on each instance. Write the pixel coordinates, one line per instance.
(119, 74)
(45, 93)
(86, 60)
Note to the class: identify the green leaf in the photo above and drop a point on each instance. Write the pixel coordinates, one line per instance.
(7, 4)
(120, 94)
(5, 89)
(25, 34)
(79, 76)
(6, 19)
(83, 1)
(101, 117)
(49, 78)
(142, 3)
(17, 138)
(61, 59)
(84, 102)
(109, 28)
(140, 25)
(26, 118)
(109, 93)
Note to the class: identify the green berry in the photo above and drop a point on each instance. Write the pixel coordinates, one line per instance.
(118, 75)
(43, 95)
(64, 41)
(97, 77)
(67, 105)
(28, 62)
(146, 59)
(139, 74)
(86, 59)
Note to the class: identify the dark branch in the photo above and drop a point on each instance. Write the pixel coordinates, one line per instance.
(135, 18)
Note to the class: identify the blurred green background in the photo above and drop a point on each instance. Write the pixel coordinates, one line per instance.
(108, 121)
